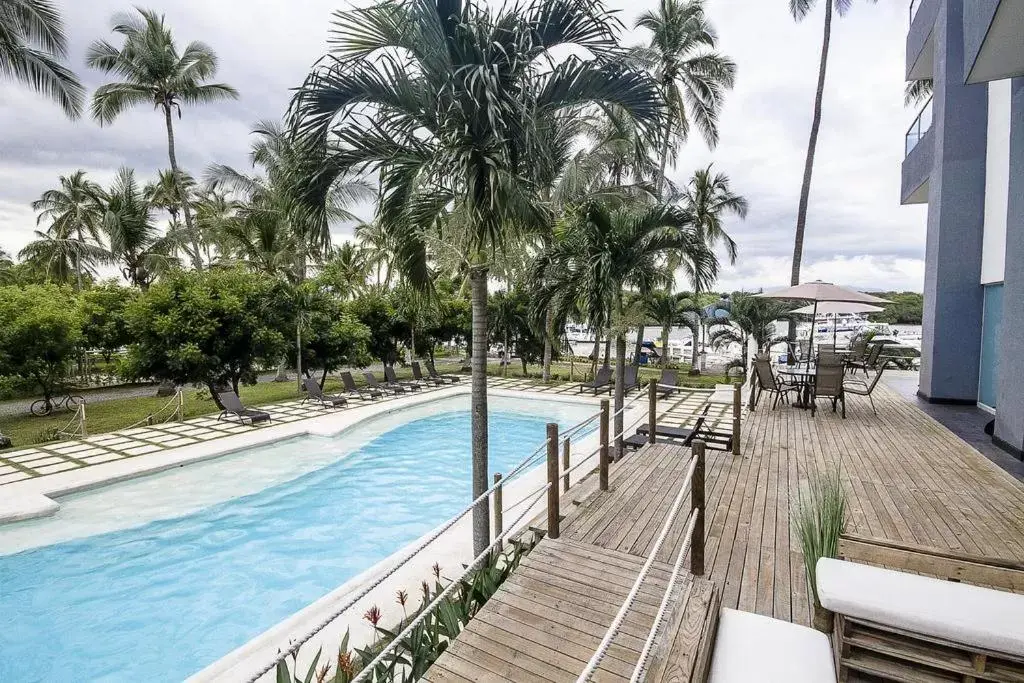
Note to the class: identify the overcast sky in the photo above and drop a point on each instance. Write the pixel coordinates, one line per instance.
(857, 232)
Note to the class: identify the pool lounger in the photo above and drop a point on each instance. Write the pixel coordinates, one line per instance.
(315, 394)
(233, 408)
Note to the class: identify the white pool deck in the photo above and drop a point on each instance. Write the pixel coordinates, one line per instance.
(174, 445)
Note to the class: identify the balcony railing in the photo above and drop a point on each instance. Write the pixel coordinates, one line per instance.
(914, 6)
(919, 128)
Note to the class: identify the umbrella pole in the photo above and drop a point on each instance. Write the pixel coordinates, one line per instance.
(814, 328)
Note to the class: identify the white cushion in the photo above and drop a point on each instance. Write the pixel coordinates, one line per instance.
(970, 615)
(750, 648)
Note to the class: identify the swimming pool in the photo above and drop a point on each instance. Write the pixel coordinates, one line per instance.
(191, 563)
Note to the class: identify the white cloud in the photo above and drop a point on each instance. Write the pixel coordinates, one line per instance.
(857, 231)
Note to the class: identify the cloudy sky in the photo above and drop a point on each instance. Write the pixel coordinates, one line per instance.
(857, 234)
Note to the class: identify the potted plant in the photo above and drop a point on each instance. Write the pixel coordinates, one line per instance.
(820, 519)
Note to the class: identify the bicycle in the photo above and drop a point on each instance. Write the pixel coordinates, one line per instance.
(44, 407)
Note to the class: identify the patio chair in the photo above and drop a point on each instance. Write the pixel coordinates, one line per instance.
(868, 362)
(859, 387)
(353, 390)
(601, 383)
(830, 359)
(680, 433)
(417, 374)
(392, 379)
(446, 378)
(826, 348)
(630, 380)
(314, 394)
(233, 408)
(371, 381)
(669, 383)
(828, 383)
(768, 381)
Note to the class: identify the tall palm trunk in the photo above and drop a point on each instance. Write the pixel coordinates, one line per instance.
(78, 261)
(663, 164)
(597, 352)
(620, 381)
(638, 347)
(197, 262)
(549, 323)
(664, 344)
(812, 144)
(608, 348)
(478, 404)
(694, 353)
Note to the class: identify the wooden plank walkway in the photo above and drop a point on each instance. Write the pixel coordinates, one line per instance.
(908, 478)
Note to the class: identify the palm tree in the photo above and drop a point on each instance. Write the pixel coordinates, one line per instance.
(6, 268)
(141, 252)
(74, 214)
(917, 91)
(378, 248)
(62, 259)
(800, 9)
(750, 317)
(346, 270)
(708, 198)
(448, 95)
(32, 46)
(693, 76)
(669, 310)
(154, 72)
(601, 251)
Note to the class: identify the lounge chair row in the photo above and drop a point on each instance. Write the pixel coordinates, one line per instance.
(234, 409)
(605, 381)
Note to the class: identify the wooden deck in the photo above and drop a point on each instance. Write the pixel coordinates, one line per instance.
(908, 478)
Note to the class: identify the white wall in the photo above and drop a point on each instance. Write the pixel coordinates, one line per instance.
(997, 182)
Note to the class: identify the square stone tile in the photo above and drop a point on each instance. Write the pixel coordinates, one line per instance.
(102, 457)
(43, 462)
(162, 438)
(71, 448)
(7, 469)
(208, 435)
(135, 431)
(180, 441)
(115, 441)
(59, 467)
(13, 477)
(194, 431)
(22, 456)
(139, 450)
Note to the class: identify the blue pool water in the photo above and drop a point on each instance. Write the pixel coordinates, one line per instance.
(160, 601)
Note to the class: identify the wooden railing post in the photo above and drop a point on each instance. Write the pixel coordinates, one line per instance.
(652, 410)
(602, 466)
(565, 464)
(737, 408)
(81, 418)
(499, 523)
(697, 506)
(553, 494)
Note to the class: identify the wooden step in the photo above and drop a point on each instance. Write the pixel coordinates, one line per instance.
(890, 669)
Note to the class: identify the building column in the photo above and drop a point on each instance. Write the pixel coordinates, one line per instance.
(953, 297)
(1009, 433)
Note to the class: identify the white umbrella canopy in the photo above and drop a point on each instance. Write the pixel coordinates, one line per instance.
(823, 291)
(835, 307)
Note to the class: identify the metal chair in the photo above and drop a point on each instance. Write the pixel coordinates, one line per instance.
(860, 387)
(767, 381)
(828, 383)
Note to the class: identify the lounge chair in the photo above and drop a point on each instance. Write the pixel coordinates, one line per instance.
(828, 383)
(680, 433)
(392, 379)
(233, 408)
(314, 394)
(669, 383)
(859, 387)
(630, 381)
(371, 381)
(767, 381)
(602, 382)
(353, 390)
(417, 374)
(868, 362)
(444, 378)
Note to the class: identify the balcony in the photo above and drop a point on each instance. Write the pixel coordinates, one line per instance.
(919, 154)
(993, 49)
(920, 51)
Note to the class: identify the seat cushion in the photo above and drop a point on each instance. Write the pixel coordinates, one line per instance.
(750, 647)
(970, 615)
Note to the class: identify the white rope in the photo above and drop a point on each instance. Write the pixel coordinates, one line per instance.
(146, 420)
(368, 669)
(606, 642)
(575, 428)
(640, 419)
(641, 665)
(77, 417)
(525, 498)
(582, 462)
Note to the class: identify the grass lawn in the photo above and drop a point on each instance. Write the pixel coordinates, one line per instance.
(110, 416)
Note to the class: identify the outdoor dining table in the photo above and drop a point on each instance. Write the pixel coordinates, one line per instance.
(802, 376)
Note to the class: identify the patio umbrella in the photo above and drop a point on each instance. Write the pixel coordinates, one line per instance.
(836, 307)
(818, 292)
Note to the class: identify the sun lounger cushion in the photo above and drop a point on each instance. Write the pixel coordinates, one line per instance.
(985, 618)
(750, 647)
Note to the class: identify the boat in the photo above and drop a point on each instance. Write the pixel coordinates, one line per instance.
(578, 332)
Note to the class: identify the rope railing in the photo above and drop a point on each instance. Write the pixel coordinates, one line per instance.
(79, 418)
(429, 608)
(645, 653)
(620, 616)
(178, 401)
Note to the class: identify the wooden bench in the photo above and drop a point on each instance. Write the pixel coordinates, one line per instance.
(888, 651)
(683, 653)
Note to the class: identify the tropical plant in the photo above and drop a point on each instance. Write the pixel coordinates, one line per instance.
(73, 237)
(6, 268)
(449, 94)
(750, 317)
(917, 91)
(215, 328)
(599, 252)
(32, 47)
(104, 327)
(800, 9)
(708, 198)
(60, 260)
(154, 72)
(332, 337)
(820, 519)
(346, 270)
(693, 77)
(668, 310)
(135, 243)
